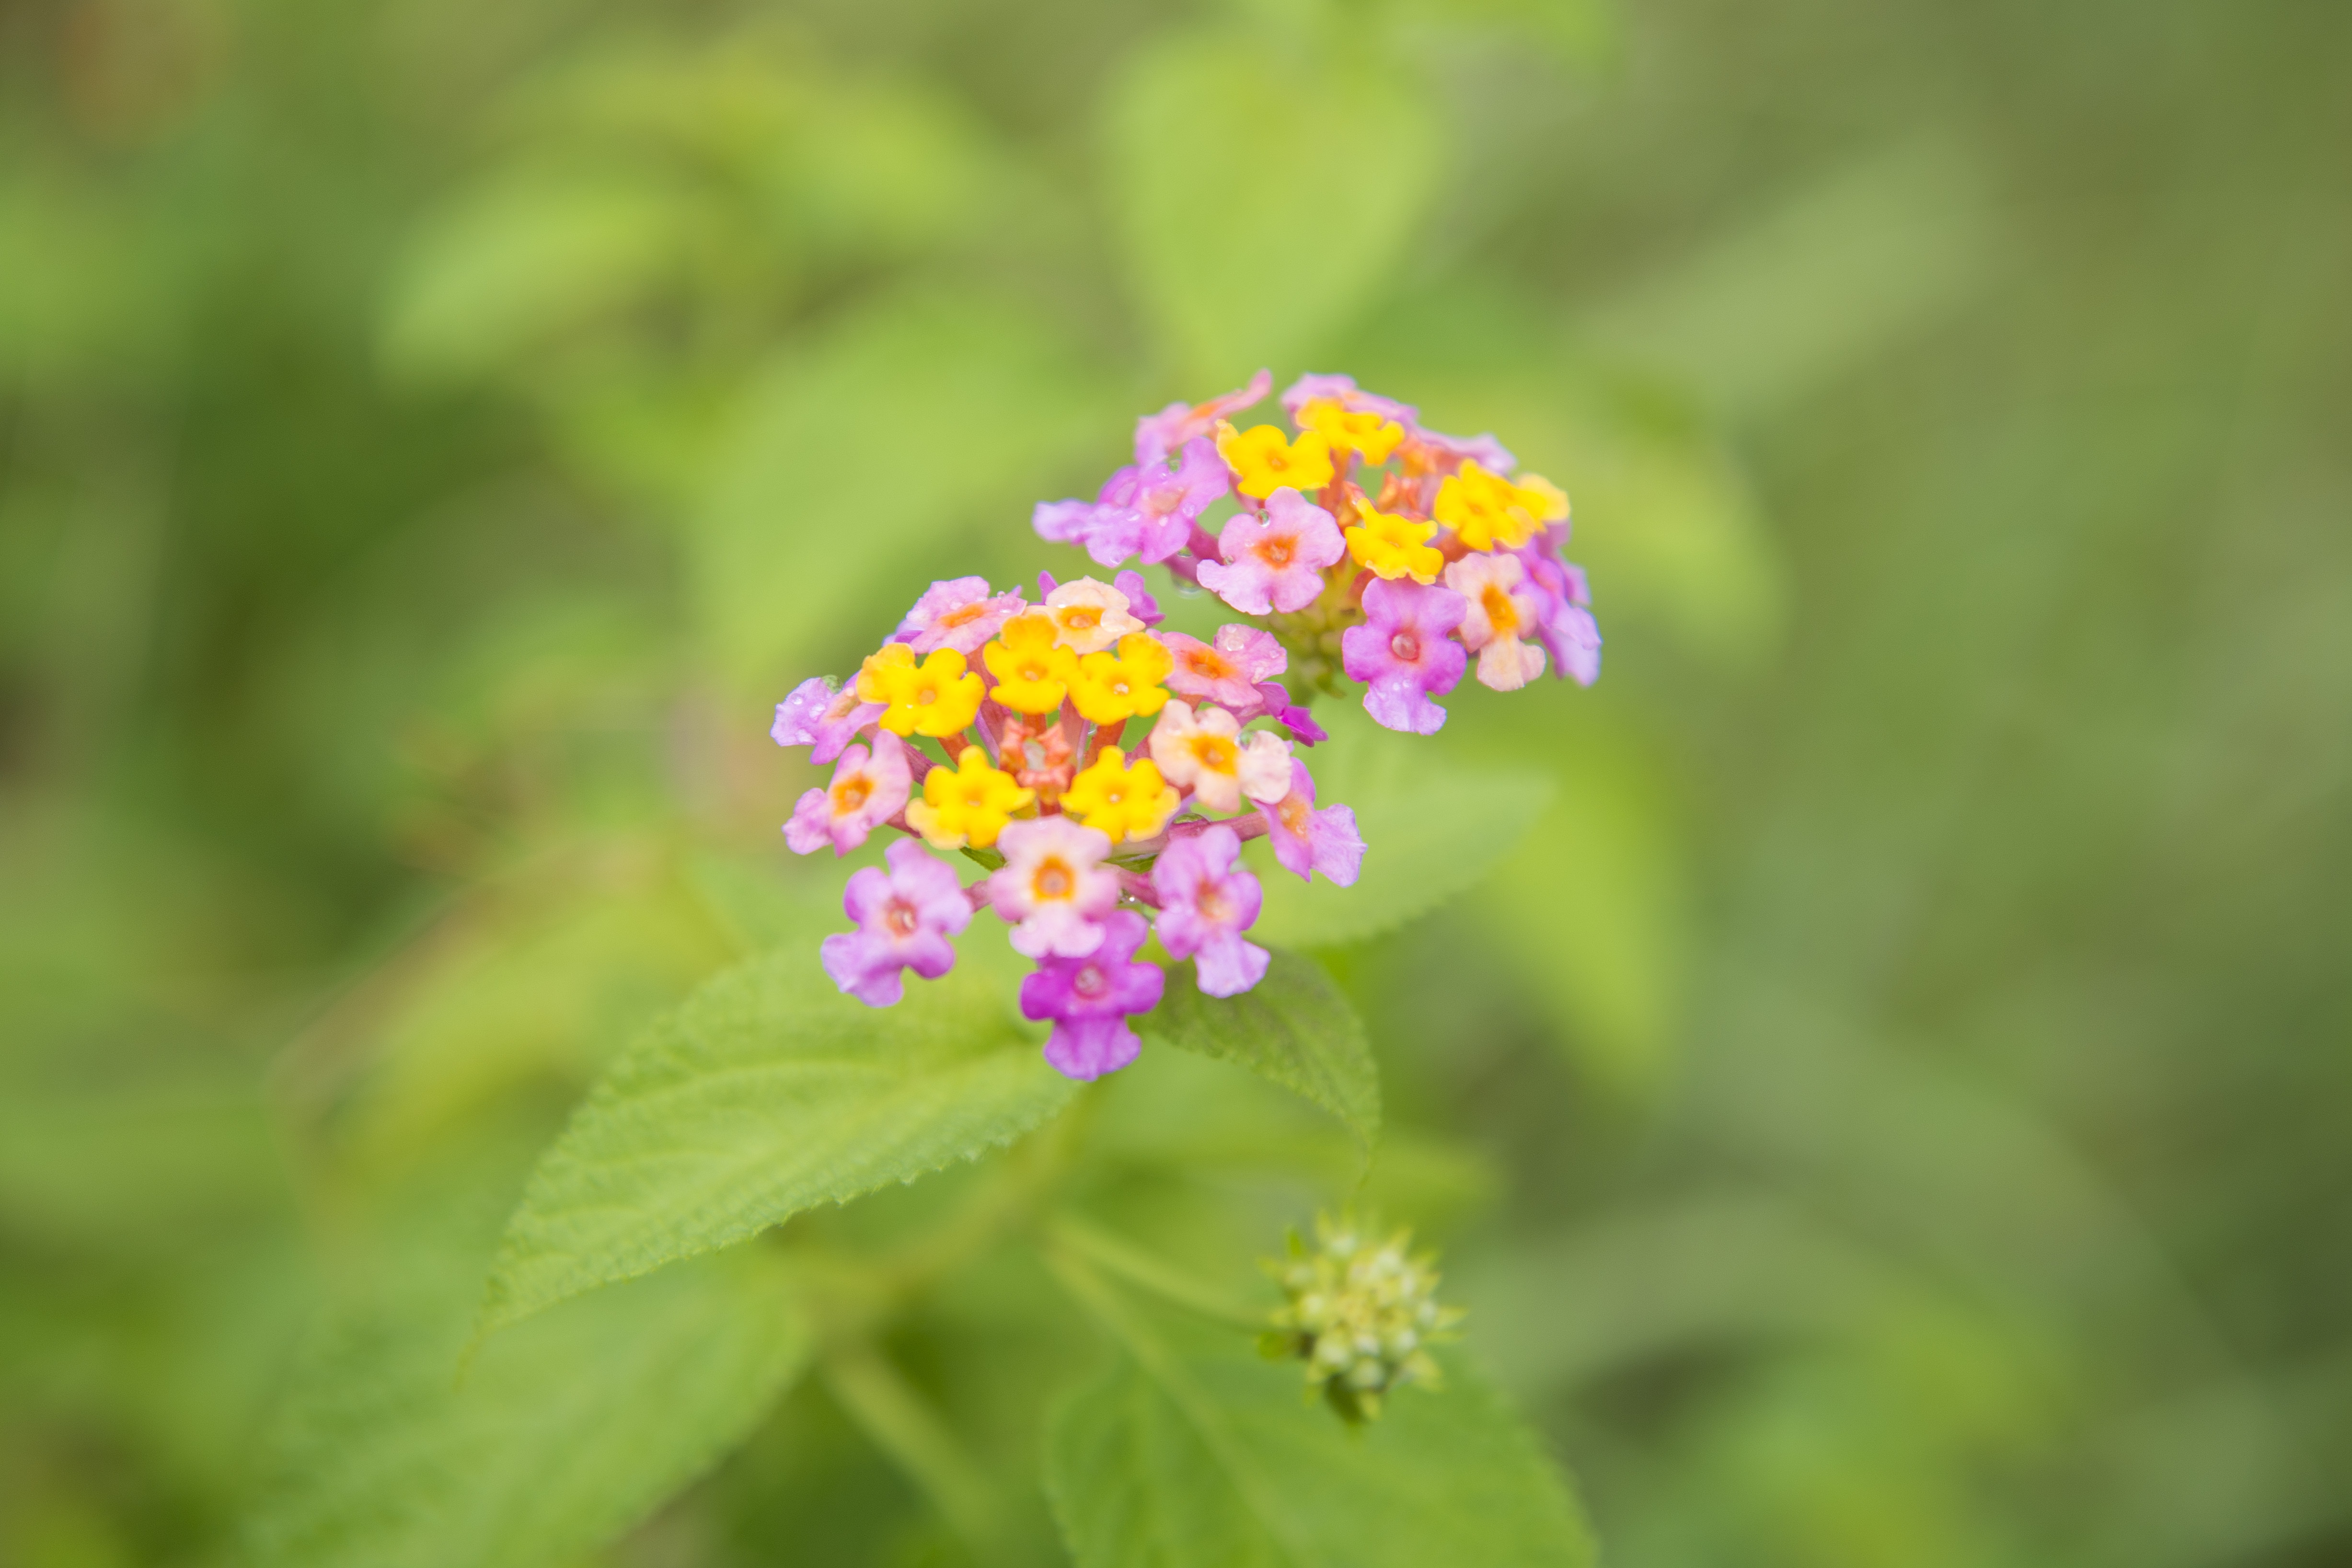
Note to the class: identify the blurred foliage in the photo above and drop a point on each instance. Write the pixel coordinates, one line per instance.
(1888, 1106)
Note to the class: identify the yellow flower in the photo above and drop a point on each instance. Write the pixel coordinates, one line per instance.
(937, 697)
(1263, 460)
(1112, 687)
(1120, 801)
(1375, 436)
(1033, 674)
(969, 804)
(1483, 507)
(1395, 546)
(1546, 500)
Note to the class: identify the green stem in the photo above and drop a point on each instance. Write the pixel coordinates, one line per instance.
(899, 1423)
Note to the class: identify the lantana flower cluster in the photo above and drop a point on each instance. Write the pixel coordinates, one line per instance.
(1103, 773)
(1372, 546)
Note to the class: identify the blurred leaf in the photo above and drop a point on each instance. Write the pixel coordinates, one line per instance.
(1579, 32)
(856, 454)
(1294, 1027)
(1842, 268)
(536, 253)
(563, 1434)
(767, 1092)
(1212, 1458)
(1265, 188)
(1431, 831)
(1590, 903)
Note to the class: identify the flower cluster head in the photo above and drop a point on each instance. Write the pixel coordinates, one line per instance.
(1360, 1311)
(1104, 774)
(1367, 545)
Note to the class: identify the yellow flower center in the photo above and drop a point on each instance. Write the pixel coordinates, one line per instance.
(1054, 880)
(850, 794)
(1500, 611)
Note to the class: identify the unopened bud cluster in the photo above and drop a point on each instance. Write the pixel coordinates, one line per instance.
(1361, 1312)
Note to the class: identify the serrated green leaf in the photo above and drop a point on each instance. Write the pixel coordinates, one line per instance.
(1266, 190)
(767, 1092)
(1293, 1027)
(1431, 830)
(1214, 1459)
(566, 1431)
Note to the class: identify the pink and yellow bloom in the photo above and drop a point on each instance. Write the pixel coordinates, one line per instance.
(1206, 902)
(817, 716)
(1227, 670)
(1405, 652)
(905, 916)
(1275, 561)
(1501, 612)
(1307, 839)
(869, 788)
(1089, 616)
(1201, 751)
(961, 614)
(1053, 886)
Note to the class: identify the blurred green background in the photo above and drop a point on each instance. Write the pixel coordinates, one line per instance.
(1890, 1109)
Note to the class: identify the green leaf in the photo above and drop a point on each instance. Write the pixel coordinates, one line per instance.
(855, 454)
(766, 1093)
(1590, 909)
(1431, 831)
(566, 1431)
(1266, 188)
(1294, 1027)
(1214, 1458)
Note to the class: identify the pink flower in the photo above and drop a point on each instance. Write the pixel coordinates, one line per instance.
(1148, 509)
(1200, 754)
(1343, 391)
(867, 790)
(1564, 617)
(1502, 612)
(1053, 886)
(905, 917)
(1274, 563)
(815, 715)
(1205, 903)
(1307, 840)
(1228, 671)
(1090, 998)
(1156, 435)
(1403, 653)
(961, 614)
(1265, 766)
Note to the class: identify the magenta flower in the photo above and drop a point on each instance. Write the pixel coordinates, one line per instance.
(1206, 901)
(905, 916)
(1403, 653)
(1140, 601)
(1307, 840)
(816, 715)
(960, 614)
(1274, 563)
(1564, 621)
(1053, 886)
(1066, 521)
(1227, 671)
(1343, 391)
(1090, 998)
(1156, 435)
(868, 789)
(1275, 704)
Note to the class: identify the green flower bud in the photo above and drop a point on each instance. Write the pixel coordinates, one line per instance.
(1361, 1313)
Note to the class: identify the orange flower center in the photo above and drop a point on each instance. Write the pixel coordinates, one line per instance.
(1054, 880)
(850, 794)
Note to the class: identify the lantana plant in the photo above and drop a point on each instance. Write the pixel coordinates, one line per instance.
(1105, 773)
